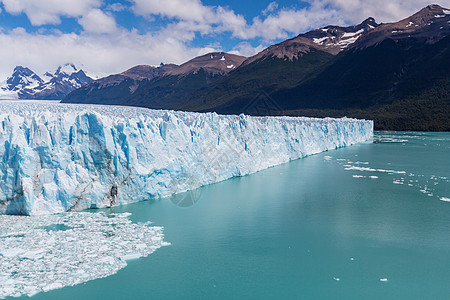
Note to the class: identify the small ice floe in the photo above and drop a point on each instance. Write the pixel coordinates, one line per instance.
(397, 182)
(352, 258)
(445, 199)
(424, 190)
(373, 177)
(336, 278)
(121, 215)
(383, 279)
(327, 157)
(358, 176)
(34, 259)
(130, 256)
(367, 169)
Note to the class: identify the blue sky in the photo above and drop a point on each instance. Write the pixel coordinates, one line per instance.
(109, 36)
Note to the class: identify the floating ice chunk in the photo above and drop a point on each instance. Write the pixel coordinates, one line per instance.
(358, 176)
(336, 278)
(445, 199)
(373, 177)
(34, 259)
(130, 256)
(383, 279)
(367, 169)
(52, 286)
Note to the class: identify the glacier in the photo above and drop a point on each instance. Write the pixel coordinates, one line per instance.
(64, 157)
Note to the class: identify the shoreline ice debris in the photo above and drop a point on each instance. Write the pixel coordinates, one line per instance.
(43, 253)
(59, 157)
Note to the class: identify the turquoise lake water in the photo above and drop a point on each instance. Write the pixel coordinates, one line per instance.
(369, 221)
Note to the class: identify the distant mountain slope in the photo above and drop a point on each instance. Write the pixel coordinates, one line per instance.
(280, 66)
(157, 87)
(401, 85)
(25, 84)
(383, 75)
(395, 73)
(429, 25)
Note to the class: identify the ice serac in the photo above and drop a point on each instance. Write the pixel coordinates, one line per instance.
(58, 158)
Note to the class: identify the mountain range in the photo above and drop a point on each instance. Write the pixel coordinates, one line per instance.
(26, 84)
(395, 73)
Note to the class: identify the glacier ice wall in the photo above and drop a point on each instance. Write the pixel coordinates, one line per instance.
(57, 158)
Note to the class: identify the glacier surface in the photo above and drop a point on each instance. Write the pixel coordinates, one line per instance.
(62, 157)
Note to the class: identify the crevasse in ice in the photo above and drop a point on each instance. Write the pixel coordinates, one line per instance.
(58, 158)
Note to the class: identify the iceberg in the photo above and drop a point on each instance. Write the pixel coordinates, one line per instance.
(66, 157)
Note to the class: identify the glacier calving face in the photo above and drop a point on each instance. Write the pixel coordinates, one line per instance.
(58, 158)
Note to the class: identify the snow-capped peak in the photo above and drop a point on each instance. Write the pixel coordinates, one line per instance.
(25, 84)
(67, 69)
(21, 78)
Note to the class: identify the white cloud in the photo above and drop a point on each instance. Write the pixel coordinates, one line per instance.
(116, 7)
(191, 10)
(246, 49)
(49, 11)
(105, 47)
(96, 21)
(102, 55)
(270, 8)
(382, 10)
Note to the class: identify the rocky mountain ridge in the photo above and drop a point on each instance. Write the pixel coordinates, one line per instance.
(26, 84)
(395, 73)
